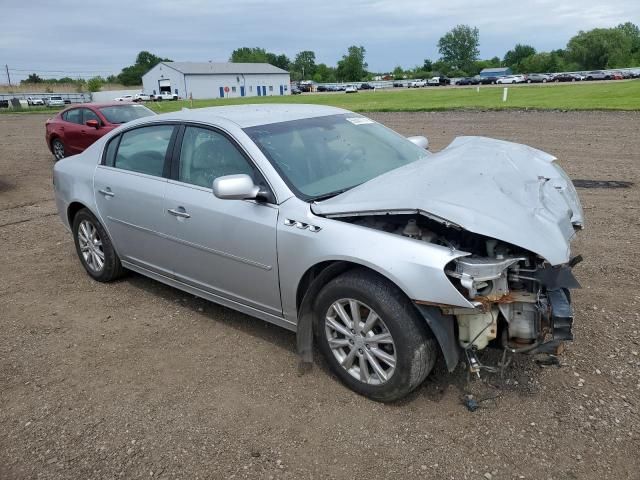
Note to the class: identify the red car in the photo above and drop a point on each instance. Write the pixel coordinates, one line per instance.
(72, 130)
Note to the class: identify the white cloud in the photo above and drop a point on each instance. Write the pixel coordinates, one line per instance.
(106, 36)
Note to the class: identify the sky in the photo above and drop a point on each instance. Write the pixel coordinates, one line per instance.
(85, 38)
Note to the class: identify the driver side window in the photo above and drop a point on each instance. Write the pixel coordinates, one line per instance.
(206, 155)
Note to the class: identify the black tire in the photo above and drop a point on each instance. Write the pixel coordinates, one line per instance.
(414, 346)
(111, 268)
(58, 149)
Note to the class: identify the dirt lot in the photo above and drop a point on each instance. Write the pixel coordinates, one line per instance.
(134, 379)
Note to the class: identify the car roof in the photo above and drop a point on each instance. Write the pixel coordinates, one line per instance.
(252, 115)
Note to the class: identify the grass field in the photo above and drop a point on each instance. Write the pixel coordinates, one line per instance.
(620, 95)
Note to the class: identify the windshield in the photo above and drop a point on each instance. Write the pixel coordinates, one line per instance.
(125, 113)
(323, 156)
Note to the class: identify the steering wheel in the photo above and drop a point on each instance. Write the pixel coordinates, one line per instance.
(355, 153)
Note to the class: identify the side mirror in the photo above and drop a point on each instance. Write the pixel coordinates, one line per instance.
(235, 187)
(92, 123)
(420, 141)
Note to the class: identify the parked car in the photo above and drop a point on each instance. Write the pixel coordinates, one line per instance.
(468, 81)
(142, 97)
(74, 129)
(391, 254)
(322, 88)
(398, 84)
(511, 79)
(566, 77)
(438, 81)
(164, 96)
(597, 75)
(537, 78)
(295, 91)
(124, 98)
(35, 101)
(54, 101)
(487, 80)
(617, 76)
(351, 89)
(366, 86)
(417, 83)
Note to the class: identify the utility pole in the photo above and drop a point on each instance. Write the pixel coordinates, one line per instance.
(6, 67)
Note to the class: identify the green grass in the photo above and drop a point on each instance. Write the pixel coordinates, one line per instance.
(586, 96)
(622, 95)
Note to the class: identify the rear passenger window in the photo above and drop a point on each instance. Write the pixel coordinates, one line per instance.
(110, 153)
(73, 116)
(144, 149)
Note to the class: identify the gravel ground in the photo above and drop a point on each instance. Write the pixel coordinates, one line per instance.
(134, 379)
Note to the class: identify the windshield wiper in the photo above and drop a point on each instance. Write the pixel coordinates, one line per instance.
(326, 196)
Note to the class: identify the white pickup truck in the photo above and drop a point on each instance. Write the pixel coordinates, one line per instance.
(417, 83)
(164, 96)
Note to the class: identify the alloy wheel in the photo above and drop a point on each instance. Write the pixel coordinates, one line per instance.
(360, 341)
(58, 149)
(91, 246)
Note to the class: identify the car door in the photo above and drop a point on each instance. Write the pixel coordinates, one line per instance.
(226, 247)
(130, 185)
(88, 135)
(71, 131)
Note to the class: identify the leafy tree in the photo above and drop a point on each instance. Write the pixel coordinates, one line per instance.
(304, 65)
(601, 48)
(513, 57)
(427, 66)
(324, 74)
(94, 84)
(541, 62)
(32, 78)
(398, 72)
(459, 47)
(249, 55)
(352, 67)
(280, 61)
(145, 61)
(112, 79)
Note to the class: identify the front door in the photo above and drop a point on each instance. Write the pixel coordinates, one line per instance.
(88, 135)
(129, 192)
(226, 247)
(281, 89)
(242, 91)
(221, 92)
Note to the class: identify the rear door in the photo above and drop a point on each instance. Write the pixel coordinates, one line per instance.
(129, 187)
(72, 131)
(226, 247)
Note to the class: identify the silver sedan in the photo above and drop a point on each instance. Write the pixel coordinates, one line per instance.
(325, 222)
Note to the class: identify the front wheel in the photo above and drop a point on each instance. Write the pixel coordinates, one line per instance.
(372, 337)
(94, 248)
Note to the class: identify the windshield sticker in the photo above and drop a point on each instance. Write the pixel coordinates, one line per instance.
(360, 120)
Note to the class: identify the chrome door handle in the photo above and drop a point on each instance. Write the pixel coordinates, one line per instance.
(178, 213)
(107, 193)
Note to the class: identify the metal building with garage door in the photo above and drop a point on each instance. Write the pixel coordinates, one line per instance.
(216, 80)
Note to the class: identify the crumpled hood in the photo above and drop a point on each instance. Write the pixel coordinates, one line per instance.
(499, 189)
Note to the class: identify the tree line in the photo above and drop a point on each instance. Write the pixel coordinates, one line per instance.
(600, 48)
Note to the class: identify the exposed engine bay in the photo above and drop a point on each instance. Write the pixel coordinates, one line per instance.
(521, 302)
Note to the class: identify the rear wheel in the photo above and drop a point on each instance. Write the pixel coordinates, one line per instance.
(94, 248)
(58, 149)
(372, 337)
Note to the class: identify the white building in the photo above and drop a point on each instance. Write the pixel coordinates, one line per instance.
(216, 80)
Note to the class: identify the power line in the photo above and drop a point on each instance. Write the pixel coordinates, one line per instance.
(35, 70)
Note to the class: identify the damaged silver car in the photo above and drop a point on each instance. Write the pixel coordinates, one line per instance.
(325, 222)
